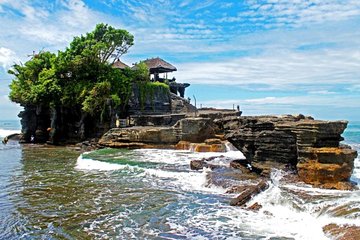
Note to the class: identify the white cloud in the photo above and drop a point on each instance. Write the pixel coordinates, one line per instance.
(321, 92)
(38, 24)
(7, 57)
(295, 13)
(283, 70)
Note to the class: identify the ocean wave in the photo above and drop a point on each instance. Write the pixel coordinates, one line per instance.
(90, 164)
(7, 132)
(287, 210)
(187, 181)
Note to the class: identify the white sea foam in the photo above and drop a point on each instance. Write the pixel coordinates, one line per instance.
(184, 157)
(283, 212)
(90, 164)
(186, 181)
(6, 132)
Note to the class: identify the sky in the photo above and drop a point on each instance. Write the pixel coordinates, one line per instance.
(268, 56)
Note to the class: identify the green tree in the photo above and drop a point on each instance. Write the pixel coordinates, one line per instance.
(35, 81)
(81, 76)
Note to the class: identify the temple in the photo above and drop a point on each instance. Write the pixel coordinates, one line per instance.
(119, 64)
(159, 66)
(159, 69)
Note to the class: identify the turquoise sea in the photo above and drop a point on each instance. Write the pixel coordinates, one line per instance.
(51, 192)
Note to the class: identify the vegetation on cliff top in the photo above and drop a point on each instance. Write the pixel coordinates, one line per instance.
(82, 75)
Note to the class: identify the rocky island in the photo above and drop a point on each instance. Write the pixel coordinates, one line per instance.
(74, 97)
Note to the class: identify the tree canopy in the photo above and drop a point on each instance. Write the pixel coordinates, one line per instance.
(82, 75)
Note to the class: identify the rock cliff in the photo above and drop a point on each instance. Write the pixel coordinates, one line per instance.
(193, 130)
(312, 147)
(62, 124)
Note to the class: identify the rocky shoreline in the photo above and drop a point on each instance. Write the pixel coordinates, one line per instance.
(309, 149)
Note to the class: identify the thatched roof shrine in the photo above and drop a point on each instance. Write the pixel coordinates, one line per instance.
(119, 64)
(158, 65)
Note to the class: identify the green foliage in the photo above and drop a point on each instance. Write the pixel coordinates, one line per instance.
(141, 72)
(81, 75)
(148, 89)
(97, 97)
(35, 81)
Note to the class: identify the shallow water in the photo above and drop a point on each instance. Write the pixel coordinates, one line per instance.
(56, 193)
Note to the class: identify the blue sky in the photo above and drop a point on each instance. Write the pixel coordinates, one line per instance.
(268, 56)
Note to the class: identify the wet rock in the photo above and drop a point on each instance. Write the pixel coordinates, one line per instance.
(327, 167)
(245, 166)
(231, 179)
(183, 145)
(248, 193)
(255, 207)
(15, 136)
(310, 146)
(201, 164)
(342, 232)
(213, 141)
(216, 146)
(202, 147)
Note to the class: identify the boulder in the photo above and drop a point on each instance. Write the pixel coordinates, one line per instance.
(248, 193)
(183, 145)
(255, 207)
(214, 145)
(196, 130)
(342, 232)
(200, 164)
(245, 166)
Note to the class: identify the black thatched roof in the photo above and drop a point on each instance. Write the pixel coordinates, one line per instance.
(119, 64)
(158, 65)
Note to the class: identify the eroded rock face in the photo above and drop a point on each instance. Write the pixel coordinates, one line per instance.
(344, 232)
(190, 129)
(312, 146)
(210, 145)
(248, 192)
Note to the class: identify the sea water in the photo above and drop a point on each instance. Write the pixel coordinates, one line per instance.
(57, 193)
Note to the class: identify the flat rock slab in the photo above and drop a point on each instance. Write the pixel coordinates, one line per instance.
(248, 192)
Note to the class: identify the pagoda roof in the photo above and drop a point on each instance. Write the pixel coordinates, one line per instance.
(119, 64)
(158, 65)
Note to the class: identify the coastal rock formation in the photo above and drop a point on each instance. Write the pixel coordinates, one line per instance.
(344, 232)
(327, 167)
(34, 121)
(248, 192)
(62, 124)
(214, 113)
(210, 145)
(155, 102)
(189, 129)
(311, 146)
(181, 105)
